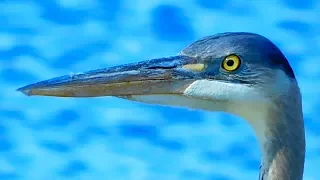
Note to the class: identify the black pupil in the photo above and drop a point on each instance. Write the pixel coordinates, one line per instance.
(230, 62)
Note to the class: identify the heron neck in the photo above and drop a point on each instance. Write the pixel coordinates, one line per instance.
(283, 150)
(279, 127)
(283, 143)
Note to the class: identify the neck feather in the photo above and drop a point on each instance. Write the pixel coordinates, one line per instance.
(279, 127)
(283, 146)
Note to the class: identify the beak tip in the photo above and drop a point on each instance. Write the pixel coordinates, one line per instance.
(25, 90)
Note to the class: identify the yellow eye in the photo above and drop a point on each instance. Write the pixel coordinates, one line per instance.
(231, 63)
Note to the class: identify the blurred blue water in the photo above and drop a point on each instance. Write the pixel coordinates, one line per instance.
(53, 138)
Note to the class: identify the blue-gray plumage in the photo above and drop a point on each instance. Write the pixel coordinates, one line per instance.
(240, 73)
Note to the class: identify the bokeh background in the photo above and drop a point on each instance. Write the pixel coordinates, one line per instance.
(46, 138)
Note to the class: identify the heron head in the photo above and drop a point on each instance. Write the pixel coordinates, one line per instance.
(217, 72)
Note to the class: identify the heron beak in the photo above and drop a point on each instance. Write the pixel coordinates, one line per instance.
(157, 76)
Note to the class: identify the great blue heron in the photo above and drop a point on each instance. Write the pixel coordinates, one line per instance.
(240, 73)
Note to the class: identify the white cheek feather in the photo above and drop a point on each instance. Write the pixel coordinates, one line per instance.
(222, 91)
(242, 100)
(206, 95)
